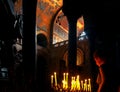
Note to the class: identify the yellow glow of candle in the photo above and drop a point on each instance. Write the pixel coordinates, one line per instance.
(63, 76)
(66, 80)
(51, 80)
(89, 83)
(89, 88)
(85, 81)
(84, 87)
(82, 84)
(77, 83)
(72, 83)
(55, 78)
(85, 84)
(63, 81)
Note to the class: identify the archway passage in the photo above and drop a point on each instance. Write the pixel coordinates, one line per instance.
(61, 27)
(42, 40)
(80, 58)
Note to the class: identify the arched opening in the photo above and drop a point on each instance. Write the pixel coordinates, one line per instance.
(61, 25)
(42, 40)
(80, 57)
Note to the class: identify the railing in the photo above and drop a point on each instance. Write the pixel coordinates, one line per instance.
(60, 43)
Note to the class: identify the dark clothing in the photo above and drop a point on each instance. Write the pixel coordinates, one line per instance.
(43, 78)
(110, 82)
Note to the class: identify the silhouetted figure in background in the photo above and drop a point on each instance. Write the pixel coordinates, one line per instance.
(43, 59)
(106, 80)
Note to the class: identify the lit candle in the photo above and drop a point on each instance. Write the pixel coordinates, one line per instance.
(86, 84)
(89, 83)
(72, 84)
(66, 80)
(63, 81)
(82, 84)
(89, 80)
(77, 83)
(88, 88)
(51, 80)
(84, 87)
(55, 78)
(64, 76)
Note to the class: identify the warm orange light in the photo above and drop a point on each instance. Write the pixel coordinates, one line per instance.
(55, 78)
(51, 80)
(76, 83)
(80, 25)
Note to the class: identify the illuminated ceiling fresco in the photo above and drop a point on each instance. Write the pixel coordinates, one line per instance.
(46, 10)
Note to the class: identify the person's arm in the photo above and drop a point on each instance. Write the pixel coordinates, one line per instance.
(98, 80)
(102, 79)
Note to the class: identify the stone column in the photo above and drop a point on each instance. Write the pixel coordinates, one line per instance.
(72, 44)
(70, 11)
(29, 41)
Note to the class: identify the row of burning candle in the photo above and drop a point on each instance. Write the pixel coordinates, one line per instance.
(76, 83)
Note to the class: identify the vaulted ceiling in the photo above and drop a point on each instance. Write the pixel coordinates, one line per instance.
(103, 14)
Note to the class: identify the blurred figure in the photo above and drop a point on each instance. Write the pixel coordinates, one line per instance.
(43, 59)
(106, 80)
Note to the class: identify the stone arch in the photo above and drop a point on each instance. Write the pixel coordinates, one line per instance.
(63, 24)
(52, 24)
(80, 57)
(42, 40)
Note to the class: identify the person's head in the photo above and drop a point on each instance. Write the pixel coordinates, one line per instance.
(100, 57)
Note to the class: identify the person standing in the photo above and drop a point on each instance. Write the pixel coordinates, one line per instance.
(106, 77)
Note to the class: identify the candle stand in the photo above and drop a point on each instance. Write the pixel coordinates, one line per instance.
(70, 83)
